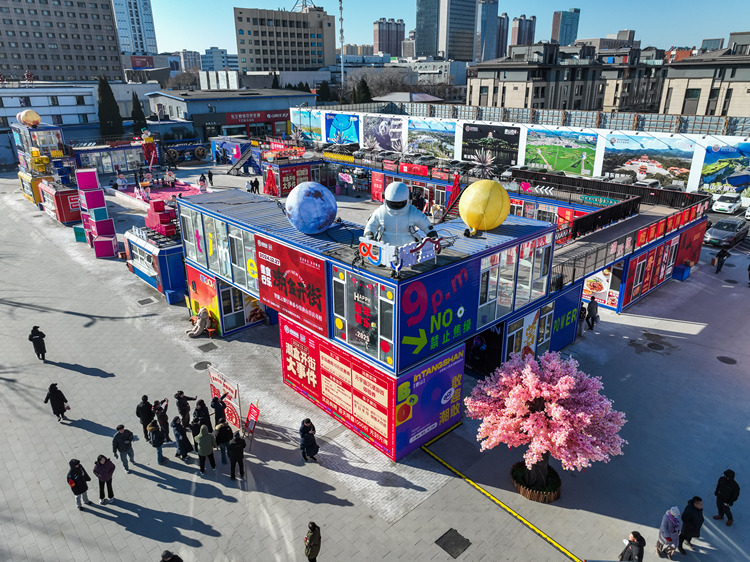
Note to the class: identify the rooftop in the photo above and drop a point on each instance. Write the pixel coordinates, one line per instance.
(204, 95)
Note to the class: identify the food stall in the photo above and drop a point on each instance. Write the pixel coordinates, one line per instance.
(61, 202)
(157, 260)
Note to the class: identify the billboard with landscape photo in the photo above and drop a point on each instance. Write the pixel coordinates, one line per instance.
(436, 137)
(306, 124)
(571, 152)
(667, 159)
(490, 145)
(727, 167)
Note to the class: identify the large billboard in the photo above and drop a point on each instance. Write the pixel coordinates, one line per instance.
(726, 167)
(436, 137)
(382, 132)
(490, 145)
(572, 152)
(293, 282)
(342, 128)
(667, 159)
(306, 124)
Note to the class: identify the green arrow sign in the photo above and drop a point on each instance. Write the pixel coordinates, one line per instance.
(420, 342)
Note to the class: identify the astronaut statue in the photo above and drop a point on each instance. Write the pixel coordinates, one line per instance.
(396, 222)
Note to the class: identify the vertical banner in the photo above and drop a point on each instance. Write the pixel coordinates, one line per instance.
(378, 186)
(220, 385)
(253, 413)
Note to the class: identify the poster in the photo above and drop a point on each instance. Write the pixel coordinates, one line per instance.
(691, 242)
(382, 132)
(567, 151)
(490, 145)
(565, 319)
(436, 137)
(306, 124)
(642, 157)
(292, 176)
(428, 400)
(357, 394)
(221, 385)
(342, 128)
(378, 186)
(253, 413)
(726, 167)
(202, 292)
(599, 285)
(437, 311)
(293, 282)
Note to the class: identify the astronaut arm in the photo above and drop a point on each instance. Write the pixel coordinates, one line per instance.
(419, 220)
(374, 225)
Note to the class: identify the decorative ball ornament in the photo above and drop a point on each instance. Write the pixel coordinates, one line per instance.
(311, 208)
(484, 205)
(29, 117)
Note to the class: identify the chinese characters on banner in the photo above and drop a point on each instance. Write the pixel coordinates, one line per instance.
(220, 385)
(378, 186)
(357, 394)
(253, 413)
(362, 318)
(293, 282)
(292, 176)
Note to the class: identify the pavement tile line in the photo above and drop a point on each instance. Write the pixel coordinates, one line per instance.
(510, 511)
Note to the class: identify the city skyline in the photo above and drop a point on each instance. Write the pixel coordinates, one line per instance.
(176, 28)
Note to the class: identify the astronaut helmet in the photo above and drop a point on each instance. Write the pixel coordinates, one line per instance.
(397, 198)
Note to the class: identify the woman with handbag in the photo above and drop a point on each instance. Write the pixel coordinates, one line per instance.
(58, 402)
(312, 541)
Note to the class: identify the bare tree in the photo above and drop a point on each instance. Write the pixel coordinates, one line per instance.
(187, 79)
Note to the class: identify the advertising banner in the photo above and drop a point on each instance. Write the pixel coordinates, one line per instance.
(565, 319)
(436, 137)
(384, 133)
(341, 128)
(293, 282)
(202, 292)
(726, 167)
(378, 186)
(292, 176)
(140, 63)
(357, 394)
(666, 159)
(253, 413)
(437, 311)
(481, 353)
(414, 169)
(245, 117)
(492, 145)
(221, 385)
(567, 151)
(429, 400)
(691, 242)
(306, 124)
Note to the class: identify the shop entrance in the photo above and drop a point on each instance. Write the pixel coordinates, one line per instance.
(239, 309)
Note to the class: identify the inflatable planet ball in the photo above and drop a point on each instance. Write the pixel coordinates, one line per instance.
(29, 117)
(484, 205)
(311, 208)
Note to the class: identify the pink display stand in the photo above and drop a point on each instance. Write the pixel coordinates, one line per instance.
(93, 199)
(87, 179)
(86, 220)
(104, 227)
(105, 246)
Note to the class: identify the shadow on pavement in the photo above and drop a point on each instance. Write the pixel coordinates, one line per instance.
(172, 483)
(91, 426)
(92, 318)
(91, 371)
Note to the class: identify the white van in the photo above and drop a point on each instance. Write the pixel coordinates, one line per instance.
(649, 184)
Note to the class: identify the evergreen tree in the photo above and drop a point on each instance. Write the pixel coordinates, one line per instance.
(324, 92)
(275, 83)
(110, 120)
(301, 86)
(307, 86)
(139, 119)
(364, 91)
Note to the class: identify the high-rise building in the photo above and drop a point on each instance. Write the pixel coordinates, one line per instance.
(189, 60)
(280, 40)
(485, 46)
(218, 59)
(387, 36)
(362, 50)
(60, 56)
(565, 26)
(426, 41)
(456, 27)
(408, 49)
(523, 30)
(503, 23)
(135, 26)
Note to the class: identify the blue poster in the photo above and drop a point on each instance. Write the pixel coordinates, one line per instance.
(564, 321)
(437, 311)
(342, 128)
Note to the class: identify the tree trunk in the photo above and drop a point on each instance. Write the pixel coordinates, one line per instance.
(536, 477)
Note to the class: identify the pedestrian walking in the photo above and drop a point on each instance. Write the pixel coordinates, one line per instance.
(202, 414)
(727, 491)
(145, 413)
(180, 436)
(592, 313)
(634, 546)
(202, 179)
(721, 257)
(57, 400)
(36, 337)
(223, 435)
(256, 185)
(692, 521)
(210, 178)
(312, 541)
(122, 444)
(167, 556)
(156, 438)
(306, 426)
(78, 480)
(236, 455)
(219, 407)
(249, 186)
(581, 319)
(205, 445)
(183, 406)
(669, 533)
(160, 413)
(309, 446)
(103, 470)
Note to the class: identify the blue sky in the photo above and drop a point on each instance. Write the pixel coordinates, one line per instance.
(197, 25)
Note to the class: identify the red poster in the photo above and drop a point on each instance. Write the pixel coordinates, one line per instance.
(670, 223)
(347, 388)
(685, 216)
(253, 413)
(691, 242)
(652, 232)
(693, 212)
(293, 282)
(378, 186)
(414, 169)
(631, 278)
(292, 176)
(647, 271)
(276, 145)
(390, 166)
(661, 229)
(438, 174)
(141, 62)
(642, 237)
(657, 265)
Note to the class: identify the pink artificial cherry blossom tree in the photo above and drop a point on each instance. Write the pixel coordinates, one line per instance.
(552, 407)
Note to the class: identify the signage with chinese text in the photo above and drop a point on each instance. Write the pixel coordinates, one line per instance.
(414, 169)
(221, 385)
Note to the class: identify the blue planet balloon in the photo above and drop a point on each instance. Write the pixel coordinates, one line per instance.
(311, 207)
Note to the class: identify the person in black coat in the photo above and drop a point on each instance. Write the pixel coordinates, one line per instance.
(78, 480)
(210, 178)
(223, 435)
(634, 546)
(183, 406)
(692, 521)
(727, 491)
(309, 446)
(58, 401)
(36, 337)
(145, 414)
(160, 413)
(184, 446)
(592, 312)
(167, 556)
(219, 407)
(235, 448)
(307, 426)
(202, 414)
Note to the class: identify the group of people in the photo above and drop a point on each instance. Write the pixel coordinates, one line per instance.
(207, 176)
(253, 186)
(678, 529)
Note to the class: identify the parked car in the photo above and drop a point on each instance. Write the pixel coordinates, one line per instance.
(359, 154)
(673, 188)
(426, 160)
(649, 184)
(409, 157)
(726, 232)
(747, 214)
(728, 203)
(386, 155)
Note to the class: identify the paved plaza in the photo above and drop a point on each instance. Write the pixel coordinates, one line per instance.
(676, 363)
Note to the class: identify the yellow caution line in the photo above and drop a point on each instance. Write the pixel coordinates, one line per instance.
(507, 509)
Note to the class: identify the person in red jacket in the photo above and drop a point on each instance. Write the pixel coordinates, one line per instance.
(103, 470)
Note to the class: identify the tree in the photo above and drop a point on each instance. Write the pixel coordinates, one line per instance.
(301, 86)
(324, 92)
(184, 80)
(275, 83)
(110, 120)
(363, 91)
(139, 119)
(550, 406)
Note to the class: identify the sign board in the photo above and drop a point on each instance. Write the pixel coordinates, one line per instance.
(221, 385)
(252, 419)
(245, 117)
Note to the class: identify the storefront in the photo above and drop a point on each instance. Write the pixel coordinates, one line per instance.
(61, 202)
(158, 261)
(111, 159)
(30, 186)
(288, 173)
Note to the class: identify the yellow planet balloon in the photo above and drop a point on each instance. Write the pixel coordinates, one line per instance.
(29, 117)
(484, 205)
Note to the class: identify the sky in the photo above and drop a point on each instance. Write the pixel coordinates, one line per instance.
(198, 25)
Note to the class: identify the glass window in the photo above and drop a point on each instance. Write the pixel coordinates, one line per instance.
(237, 256)
(212, 251)
(545, 329)
(251, 264)
(222, 247)
(515, 338)
(188, 233)
(232, 307)
(142, 259)
(525, 263)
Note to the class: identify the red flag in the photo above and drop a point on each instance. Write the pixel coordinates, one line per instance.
(454, 192)
(270, 186)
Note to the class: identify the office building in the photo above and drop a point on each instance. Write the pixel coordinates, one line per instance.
(503, 25)
(485, 47)
(59, 44)
(189, 60)
(522, 32)
(426, 41)
(363, 50)
(565, 26)
(280, 40)
(456, 25)
(408, 48)
(387, 36)
(218, 59)
(135, 27)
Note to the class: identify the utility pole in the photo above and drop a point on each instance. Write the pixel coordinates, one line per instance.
(341, 38)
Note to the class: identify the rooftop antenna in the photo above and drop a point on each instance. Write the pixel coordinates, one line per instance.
(300, 5)
(341, 38)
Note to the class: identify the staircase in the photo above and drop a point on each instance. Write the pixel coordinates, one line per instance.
(236, 169)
